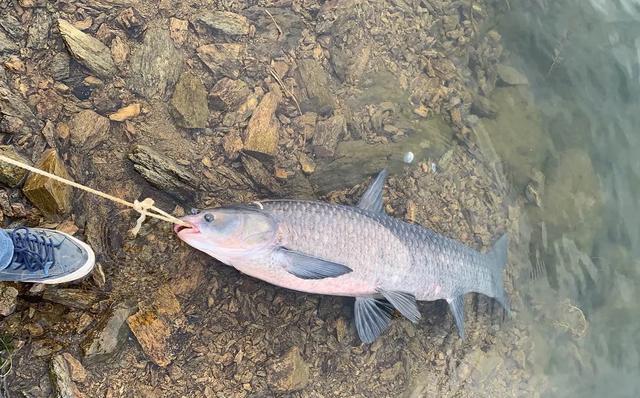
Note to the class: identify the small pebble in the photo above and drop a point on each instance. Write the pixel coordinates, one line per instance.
(408, 157)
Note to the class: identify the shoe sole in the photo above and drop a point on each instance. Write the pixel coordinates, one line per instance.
(77, 274)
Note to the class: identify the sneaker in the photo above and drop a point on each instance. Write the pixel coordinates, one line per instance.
(38, 255)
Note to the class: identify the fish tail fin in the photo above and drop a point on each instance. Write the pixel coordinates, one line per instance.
(497, 259)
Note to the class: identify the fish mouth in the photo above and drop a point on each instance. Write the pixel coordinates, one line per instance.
(182, 229)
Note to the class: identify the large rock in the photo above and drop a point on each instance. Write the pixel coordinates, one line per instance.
(226, 22)
(87, 129)
(328, 133)
(156, 65)
(10, 175)
(89, 51)
(189, 102)
(288, 373)
(315, 81)
(108, 335)
(50, 196)
(223, 59)
(261, 135)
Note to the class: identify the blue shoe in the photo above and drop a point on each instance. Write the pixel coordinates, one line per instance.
(38, 255)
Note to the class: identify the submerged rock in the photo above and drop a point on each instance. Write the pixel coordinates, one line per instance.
(108, 335)
(288, 373)
(510, 76)
(88, 129)
(229, 94)
(10, 175)
(261, 135)
(156, 65)
(8, 299)
(126, 113)
(315, 81)
(226, 22)
(189, 102)
(15, 115)
(153, 334)
(89, 51)
(51, 197)
(223, 59)
(328, 133)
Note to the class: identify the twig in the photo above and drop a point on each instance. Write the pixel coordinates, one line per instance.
(280, 33)
(285, 89)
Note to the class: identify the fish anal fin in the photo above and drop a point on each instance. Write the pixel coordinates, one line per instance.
(403, 302)
(372, 318)
(372, 199)
(309, 267)
(456, 305)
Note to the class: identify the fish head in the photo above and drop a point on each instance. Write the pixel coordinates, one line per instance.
(225, 233)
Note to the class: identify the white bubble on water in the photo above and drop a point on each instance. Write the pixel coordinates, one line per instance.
(408, 157)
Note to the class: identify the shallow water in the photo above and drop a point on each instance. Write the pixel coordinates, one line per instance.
(581, 58)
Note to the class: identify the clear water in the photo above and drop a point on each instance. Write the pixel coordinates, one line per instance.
(589, 101)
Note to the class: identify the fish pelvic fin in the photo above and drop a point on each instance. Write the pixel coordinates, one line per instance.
(497, 260)
(372, 199)
(372, 318)
(403, 302)
(456, 304)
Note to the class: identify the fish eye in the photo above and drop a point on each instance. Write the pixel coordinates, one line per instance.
(194, 211)
(209, 217)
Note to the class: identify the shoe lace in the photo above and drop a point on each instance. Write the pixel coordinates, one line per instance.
(33, 251)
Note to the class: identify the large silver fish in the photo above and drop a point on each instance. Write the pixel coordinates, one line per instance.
(359, 252)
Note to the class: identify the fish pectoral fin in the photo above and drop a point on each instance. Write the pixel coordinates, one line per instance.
(403, 302)
(372, 199)
(372, 318)
(308, 267)
(456, 305)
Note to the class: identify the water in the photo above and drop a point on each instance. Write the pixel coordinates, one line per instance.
(582, 59)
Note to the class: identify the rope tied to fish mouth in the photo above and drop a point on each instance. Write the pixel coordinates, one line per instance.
(145, 207)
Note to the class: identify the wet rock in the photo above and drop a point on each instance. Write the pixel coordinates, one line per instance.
(15, 115)
(288, 373)
(261, 135)
(108, 335)
(189, 102)
(76, 370)
(126, 113)
(306, 163)
(153, 334)
(510, 76)
(164, 173)
(10, 175)
(315, 81)
(483, 107)
(226, 22)
(89, 51)
(51, 197)
(88, 129)
(232, 145)
(306, 125)
(74, 298)
(131, 21)
(165, 301)
(328, 133)
(223, 59)
(8, 296)
(259, 174)
(63, 385)
(156, 65)
(228, 94)
(59, 66)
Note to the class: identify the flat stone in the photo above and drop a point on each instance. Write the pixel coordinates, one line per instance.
(189, 102)
(76, 370)
(15, 115)
(328, 133)
(126, 113)
(73, 298)
(226, 22)
(315, 81)
(8, 299)
(12, 176)
(288, 373)
(88, 129)
(228, 94)
(51, 197)
(88, 50)
(153, 335)
(261, 135)
(156, 65)
(60, 376)
(164, 173)
(108, 335)
(510, 76)
(223, 59)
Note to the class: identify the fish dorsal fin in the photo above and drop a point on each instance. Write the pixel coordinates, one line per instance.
(372, 318)
(403, 302)
(456, 305)
(372, 198)
(308, 267)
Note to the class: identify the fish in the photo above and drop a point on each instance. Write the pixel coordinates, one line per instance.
(386, 264)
